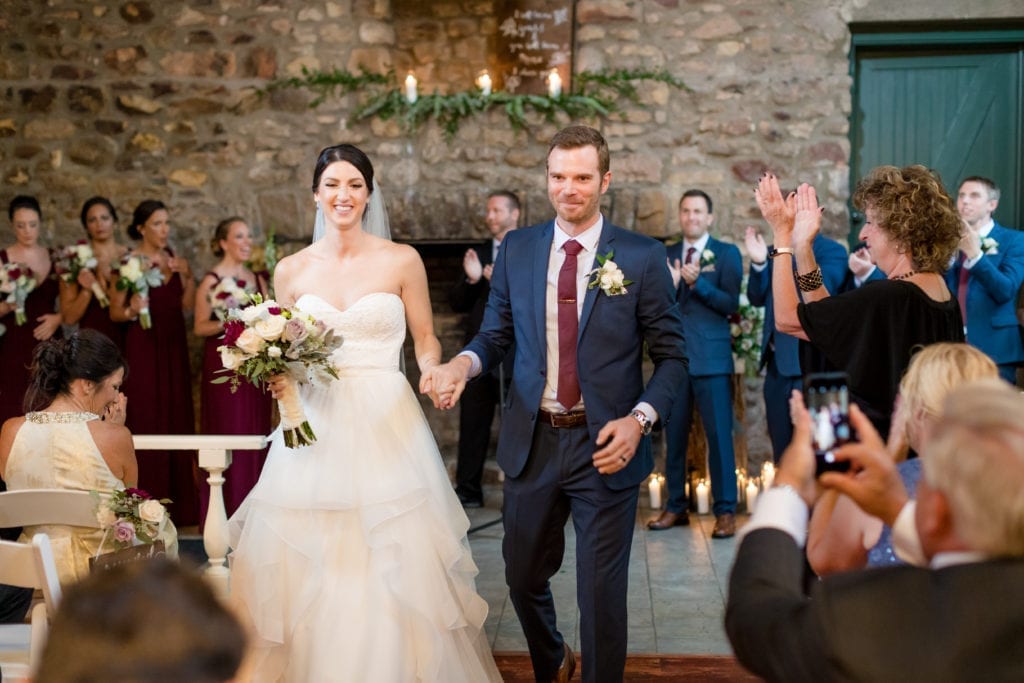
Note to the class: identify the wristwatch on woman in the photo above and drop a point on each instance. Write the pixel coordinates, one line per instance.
(776, 251)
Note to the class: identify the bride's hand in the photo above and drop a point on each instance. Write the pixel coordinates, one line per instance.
(277, 385)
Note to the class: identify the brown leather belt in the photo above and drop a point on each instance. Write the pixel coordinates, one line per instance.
(561, 420)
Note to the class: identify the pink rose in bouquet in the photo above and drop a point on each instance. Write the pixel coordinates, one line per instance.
(130, 516)
(265, 339)
(16, 282)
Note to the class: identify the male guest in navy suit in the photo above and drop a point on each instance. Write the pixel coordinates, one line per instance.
(469, 296)
(707, 274)
(786, 357)
(986, 276)
(574, 436)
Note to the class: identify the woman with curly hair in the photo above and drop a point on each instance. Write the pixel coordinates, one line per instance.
(912, 231)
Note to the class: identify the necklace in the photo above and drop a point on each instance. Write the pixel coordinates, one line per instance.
(909, 273)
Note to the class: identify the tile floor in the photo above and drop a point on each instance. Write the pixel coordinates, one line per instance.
(678, 580)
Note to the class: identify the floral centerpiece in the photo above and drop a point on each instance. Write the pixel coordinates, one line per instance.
(73, 259)
(16, 282)
(746, 326)
(137, 274)
(228, 294)
(130, 517)
(265, 339)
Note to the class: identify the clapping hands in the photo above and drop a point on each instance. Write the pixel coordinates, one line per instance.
(755, 244)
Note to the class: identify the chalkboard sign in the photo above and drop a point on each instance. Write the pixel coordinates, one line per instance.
(534, 38)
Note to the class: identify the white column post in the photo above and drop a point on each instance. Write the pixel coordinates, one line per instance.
(215, 529)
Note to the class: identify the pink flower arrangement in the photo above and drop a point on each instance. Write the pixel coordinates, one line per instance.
(130, 516)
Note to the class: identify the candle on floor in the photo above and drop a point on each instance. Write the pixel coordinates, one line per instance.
(767, 475)
(703, 507)
(751, 495)
(741, 483)
(554, 84)
(484, 83)
(654, 491)
(410, 88)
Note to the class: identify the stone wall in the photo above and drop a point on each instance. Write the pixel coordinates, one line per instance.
(162, 98)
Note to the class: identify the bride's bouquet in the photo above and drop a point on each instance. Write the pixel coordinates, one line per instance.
(137, 274)
(74, 258)
(265, 339)
(228, 294)
(16, 282)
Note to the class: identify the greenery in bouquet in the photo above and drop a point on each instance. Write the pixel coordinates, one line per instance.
(137, 274)
(16, 282)
(265, 339)
(130, 516)
(72, 260)
(746, 326)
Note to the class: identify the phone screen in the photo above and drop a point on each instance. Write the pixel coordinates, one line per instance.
(827, 397)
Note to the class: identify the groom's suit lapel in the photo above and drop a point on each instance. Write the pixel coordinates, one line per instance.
(604, 245)
(539, 277)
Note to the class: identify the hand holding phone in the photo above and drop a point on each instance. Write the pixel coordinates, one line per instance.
(827, 397)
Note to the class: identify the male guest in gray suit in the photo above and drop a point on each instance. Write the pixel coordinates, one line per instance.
(959, 619)
(707, 274)
(987, 275)
(580, 298)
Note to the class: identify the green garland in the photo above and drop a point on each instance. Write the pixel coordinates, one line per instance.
(594, 94)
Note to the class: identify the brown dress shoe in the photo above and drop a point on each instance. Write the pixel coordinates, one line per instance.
(725, 526)
(568, 666)
(667, 520)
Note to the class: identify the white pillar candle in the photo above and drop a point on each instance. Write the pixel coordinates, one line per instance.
(410, 88)
(767, 475)
(751, 495)
(741, 482)
(554, 84)
(702, 499)
(484, 83)
(654, 491)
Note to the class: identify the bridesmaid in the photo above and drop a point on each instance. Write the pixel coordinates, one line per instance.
(159, 384)
(42, 319)
(78, 304)
(247, 411)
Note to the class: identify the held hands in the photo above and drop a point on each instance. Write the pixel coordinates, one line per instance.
(471, 265)
(873, 482)
(117, 410)
(618, 440)
(755, 244)
(779, 212)
(445, 383)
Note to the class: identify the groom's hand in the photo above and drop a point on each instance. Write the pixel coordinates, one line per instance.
(445, 383)
(618, 439)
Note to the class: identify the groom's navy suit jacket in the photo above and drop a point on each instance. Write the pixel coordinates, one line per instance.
(612, 333)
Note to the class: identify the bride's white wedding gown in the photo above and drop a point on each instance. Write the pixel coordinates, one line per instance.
(350, 555)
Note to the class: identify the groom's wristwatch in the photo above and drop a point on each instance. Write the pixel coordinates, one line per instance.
(778, 251)
(645, 424)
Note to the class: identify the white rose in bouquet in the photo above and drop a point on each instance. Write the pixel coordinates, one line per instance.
(250, 341)
(152, 511)
(270, 328)
(229, 358)
(106, 517)
(131, 270)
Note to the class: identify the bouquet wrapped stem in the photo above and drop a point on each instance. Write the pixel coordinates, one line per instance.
(101, 296)
(136, 274)
(294, 425)
(145, 319)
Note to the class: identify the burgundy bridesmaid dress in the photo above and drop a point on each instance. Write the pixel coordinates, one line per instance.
(159, 391)
(247, 411)
(17, 344)
(98, 318)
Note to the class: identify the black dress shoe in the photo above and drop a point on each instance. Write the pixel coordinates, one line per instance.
(667, 520)
(469, 501)
(568, 666)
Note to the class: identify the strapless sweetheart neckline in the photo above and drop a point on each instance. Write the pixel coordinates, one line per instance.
(352, 305)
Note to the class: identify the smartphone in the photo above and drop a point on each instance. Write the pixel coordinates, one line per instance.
(827, 396)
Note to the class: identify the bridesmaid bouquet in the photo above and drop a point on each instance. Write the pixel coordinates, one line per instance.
(130, 516)
(137, 274)
(230, 293)
(265, 339)
(74, 258)
(16, 283)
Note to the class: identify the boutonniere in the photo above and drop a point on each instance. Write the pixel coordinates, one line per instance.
(707, 258)
(608, 276)
(989, 246)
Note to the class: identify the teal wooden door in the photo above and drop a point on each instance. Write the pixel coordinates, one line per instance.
(960, 114)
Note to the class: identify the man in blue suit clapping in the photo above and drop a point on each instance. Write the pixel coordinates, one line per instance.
(986, 276)
(707, 274)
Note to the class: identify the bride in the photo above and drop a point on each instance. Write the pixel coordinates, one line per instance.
(350, 556)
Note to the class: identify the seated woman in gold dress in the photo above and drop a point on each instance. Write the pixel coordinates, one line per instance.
(73, 437)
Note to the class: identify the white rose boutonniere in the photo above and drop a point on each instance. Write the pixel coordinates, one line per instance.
(707, 260)
(989, 246)
(608, 276)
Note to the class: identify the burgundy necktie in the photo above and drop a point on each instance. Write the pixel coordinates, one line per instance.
(961, 291)
(568, 390)
(690, 251)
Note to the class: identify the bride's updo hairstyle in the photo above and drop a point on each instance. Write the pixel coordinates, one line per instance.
(349, 153)
(56, 363)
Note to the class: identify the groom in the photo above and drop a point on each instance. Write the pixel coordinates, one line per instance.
(574, 436)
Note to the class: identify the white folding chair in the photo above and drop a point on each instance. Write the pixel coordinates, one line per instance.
(32, 507)
(28, 565)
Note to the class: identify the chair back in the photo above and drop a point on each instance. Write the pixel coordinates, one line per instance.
(32, 507)
(31, 565)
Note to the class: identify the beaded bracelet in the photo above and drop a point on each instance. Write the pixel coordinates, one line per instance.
(808, 282)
